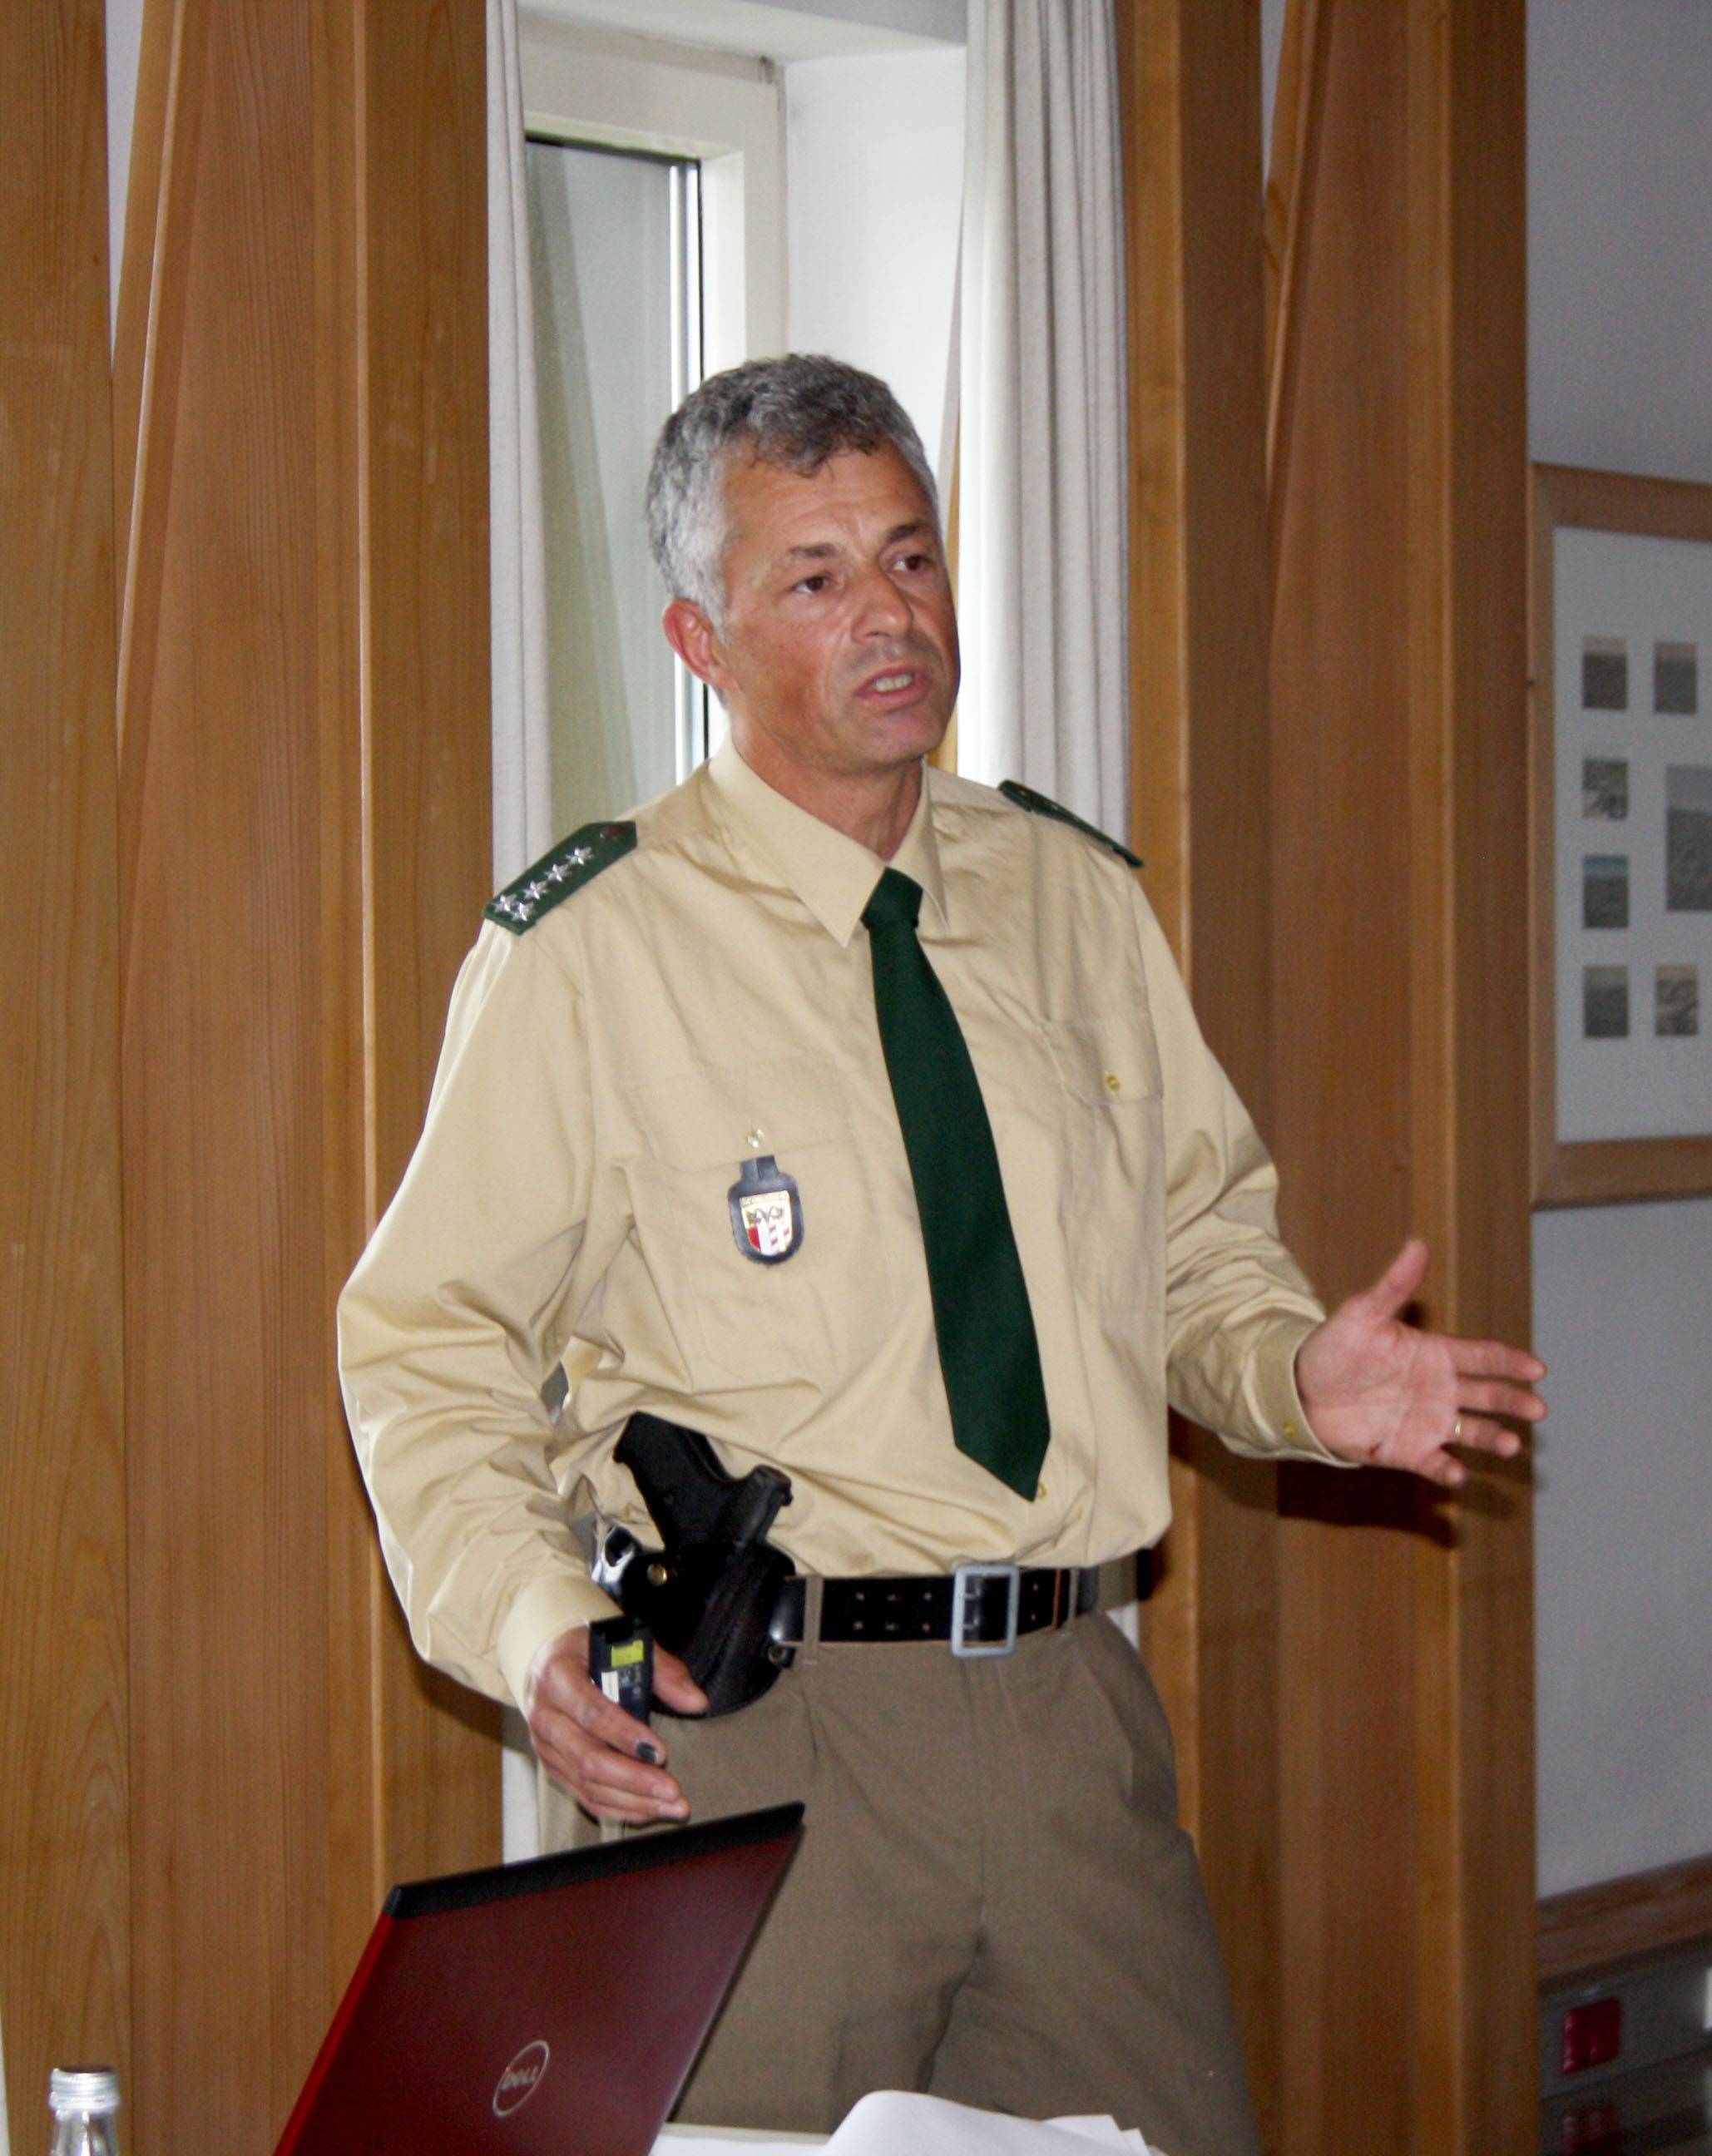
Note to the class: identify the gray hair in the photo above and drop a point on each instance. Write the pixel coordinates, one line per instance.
(797, 412)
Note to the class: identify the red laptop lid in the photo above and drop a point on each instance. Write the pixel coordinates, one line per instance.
(553, 2005)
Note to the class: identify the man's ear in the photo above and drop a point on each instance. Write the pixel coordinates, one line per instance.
(691, 635)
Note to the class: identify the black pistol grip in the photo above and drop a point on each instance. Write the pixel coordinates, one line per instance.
(678, 1473)
(689, 1495)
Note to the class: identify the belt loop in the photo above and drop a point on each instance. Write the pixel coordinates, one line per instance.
(814, 1593)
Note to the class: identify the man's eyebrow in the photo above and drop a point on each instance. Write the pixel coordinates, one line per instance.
(827, 550)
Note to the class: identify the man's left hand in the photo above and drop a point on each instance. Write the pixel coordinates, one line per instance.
(1386, 1394)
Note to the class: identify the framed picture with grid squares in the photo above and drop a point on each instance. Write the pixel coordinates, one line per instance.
(1621, 720)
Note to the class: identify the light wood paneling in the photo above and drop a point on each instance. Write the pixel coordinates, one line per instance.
(1399, 675)
(1201, 816)
(306, 783)
(1346, 1660)
(426, 737)
(227, 1329)
(64, 1897)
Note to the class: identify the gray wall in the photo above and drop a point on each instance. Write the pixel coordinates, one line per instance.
(1620, 377)
(1620, 251)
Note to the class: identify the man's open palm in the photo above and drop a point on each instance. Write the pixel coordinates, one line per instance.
(1387, 1394)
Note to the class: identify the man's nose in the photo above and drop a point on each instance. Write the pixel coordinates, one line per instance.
(882, 610)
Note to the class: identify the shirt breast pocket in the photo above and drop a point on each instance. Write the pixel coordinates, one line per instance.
(810, 1314)
(1114, 1217)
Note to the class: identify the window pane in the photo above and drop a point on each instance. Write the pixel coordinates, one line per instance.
(608, 304)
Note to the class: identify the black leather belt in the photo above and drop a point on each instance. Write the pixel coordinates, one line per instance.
(981, 1609)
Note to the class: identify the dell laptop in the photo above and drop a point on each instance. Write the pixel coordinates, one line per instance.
(555, 2005)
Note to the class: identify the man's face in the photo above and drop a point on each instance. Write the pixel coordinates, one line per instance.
(838, 656)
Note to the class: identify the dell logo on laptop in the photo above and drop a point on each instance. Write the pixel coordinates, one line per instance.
(521, 2079)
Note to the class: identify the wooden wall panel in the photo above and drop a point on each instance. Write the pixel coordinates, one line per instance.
(305, 804)
(427, 778)
(1399, 694)
(64, 1897)
(227, 1325)
(1201, 814)
(1329, 465)
(1470, 116)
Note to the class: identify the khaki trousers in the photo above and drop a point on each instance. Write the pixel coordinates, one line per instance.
(992, 1901)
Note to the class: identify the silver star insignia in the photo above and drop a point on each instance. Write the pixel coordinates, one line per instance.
(535, 890)
(514, 906)
(580, 856)
(557, 872)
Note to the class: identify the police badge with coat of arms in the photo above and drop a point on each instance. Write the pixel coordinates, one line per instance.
(766, 1211)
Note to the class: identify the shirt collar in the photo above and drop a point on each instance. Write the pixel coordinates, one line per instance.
(834, 875)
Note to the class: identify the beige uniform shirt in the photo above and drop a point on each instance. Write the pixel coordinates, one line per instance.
(707, 999)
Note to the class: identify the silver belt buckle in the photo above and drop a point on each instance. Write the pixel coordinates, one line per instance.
(970, 1585)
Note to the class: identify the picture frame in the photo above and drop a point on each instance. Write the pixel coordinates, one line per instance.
(1619, 719)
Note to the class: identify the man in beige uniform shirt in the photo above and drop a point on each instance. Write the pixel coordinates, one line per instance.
(993, 1898)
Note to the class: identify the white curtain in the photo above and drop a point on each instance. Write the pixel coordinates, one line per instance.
(1043, 518)
(522, 768)
(522, 775)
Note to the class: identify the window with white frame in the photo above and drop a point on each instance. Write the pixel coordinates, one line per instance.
(656, 220)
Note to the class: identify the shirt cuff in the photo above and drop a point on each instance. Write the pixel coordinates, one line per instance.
(1280, 1401)
(545, 1609)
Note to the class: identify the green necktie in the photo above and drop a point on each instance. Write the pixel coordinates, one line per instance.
(987, 1351)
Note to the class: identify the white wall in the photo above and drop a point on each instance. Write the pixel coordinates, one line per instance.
(123, 42)
(873, 195)
(1620, 376)
(1623, 1550)
(1620, 281)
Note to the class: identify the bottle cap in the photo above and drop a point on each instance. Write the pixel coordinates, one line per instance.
(83, 2088)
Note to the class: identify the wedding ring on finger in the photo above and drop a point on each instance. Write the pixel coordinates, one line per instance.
(1457, 1431)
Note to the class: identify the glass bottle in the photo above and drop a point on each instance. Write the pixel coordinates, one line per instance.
(84, 2101)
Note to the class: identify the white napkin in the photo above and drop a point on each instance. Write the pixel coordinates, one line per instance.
(889, 2122)
(886, 2122)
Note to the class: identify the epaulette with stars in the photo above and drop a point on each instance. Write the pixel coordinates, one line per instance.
(573, 862)
(1038, 804)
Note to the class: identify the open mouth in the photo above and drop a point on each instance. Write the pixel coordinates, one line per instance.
(898, 681)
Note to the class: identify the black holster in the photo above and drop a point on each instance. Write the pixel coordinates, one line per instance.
(708, 1594)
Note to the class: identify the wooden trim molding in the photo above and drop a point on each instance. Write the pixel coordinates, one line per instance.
(1595, 1928)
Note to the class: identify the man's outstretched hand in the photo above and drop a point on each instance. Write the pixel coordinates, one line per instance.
(612, 1764)
(1388, 1395)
